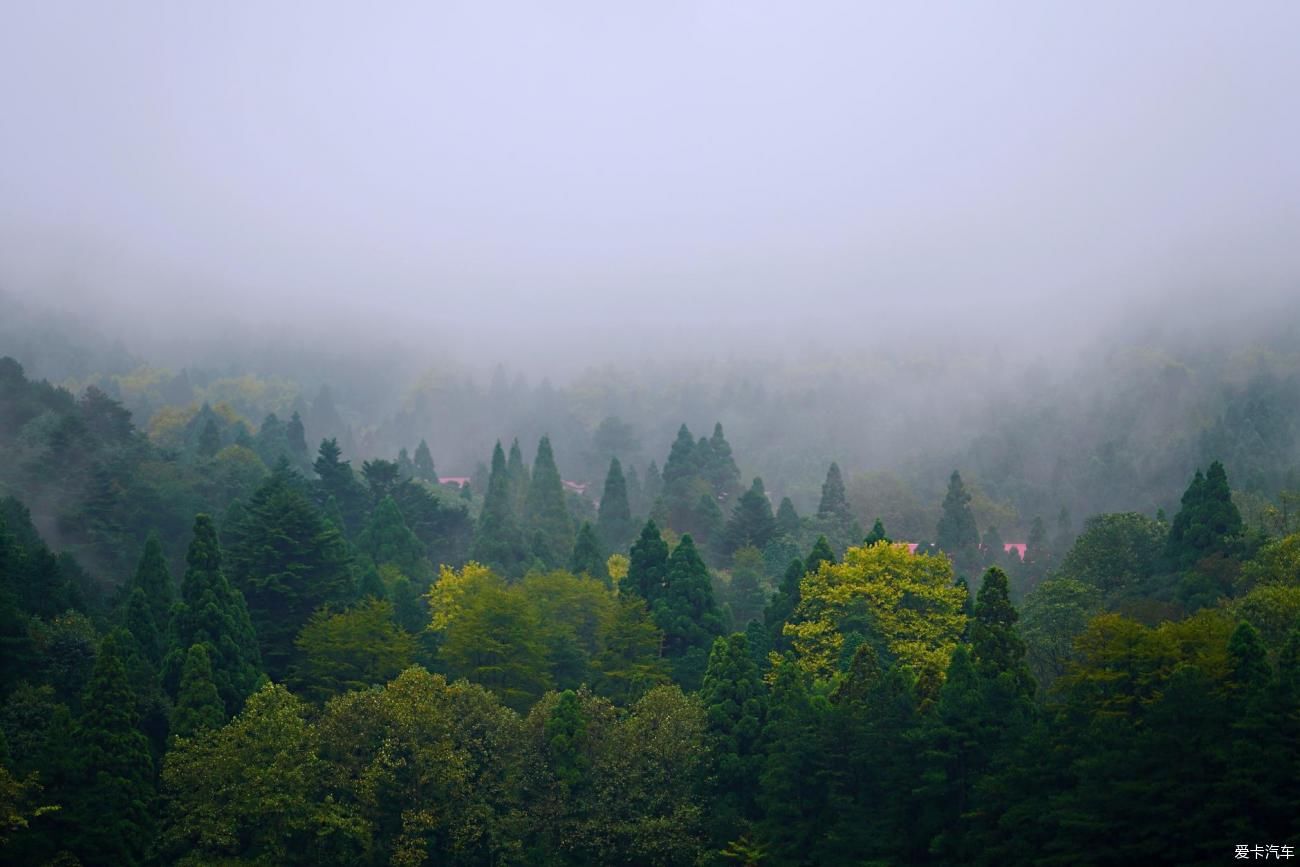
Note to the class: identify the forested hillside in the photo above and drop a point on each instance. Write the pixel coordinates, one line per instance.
(613, 642)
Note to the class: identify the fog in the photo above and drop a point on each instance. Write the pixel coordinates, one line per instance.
(556, 184)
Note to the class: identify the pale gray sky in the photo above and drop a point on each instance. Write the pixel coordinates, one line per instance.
(621, 168)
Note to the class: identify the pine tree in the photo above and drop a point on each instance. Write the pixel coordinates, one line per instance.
(833, 502)
(154, 580)
(687, 614)
(745, 595)
(735, 703)
(405, 466)
(782, 605)
(517, 473)
(499, 543)
(338, 481)
(213, 613)
(722, 471)
(648, 565)
(144, 631)
(546, 514)
(681, 465)
(653, 486)
(371, 586)
(287, 561)
(751, 522)
(791, 793)
(635, 494)
(995, 645)
(198, 706)
(614, 519)
(112, 811)
(821, 553)
(876, 535)
(588, 557)
(423, 464)
(1207, 523)
(787, 519)
(296, 437)
(387, 540)
(956, 534)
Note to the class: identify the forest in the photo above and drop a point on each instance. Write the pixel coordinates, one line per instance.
(222, 645)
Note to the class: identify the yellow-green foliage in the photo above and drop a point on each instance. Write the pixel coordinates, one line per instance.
(446, 596)
(909, 599)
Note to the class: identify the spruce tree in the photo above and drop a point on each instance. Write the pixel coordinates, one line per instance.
(212, 612)
(744, 593)
(499, 543)
(517, 473)
(995, 645)
(209, 439)
(405, 466)
(722, 471)
(588, 557)
(386, 540)
(833, 503)
(144, 631)
(791, 793)
(296, 437)
(956, 534)
(423, 464)
(648, 565)
(876, 535)
(680, 465)
(821, 553)
(198, 706)
(787, 519)
(735, 704)
(371, 586)
(614, 519)
(338, 481)
(782, 605)
(287, 560)
(751, 522)
(154, 580)
(546, 513)
(687, 614)
(1207, 523)
(653, 486)
(112, 812)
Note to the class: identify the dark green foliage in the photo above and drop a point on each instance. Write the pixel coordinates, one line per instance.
(1207, 523)
(288, 561)
(499, 542)
(687, 614)
(144, 631)
(566, 731)
(833, 502)
(382, 477)
(209, 439)
(337, 481)
(110, 816)
(1117, 553)
(213, 613)
(614, 520)
(735, 705)
(422, 465)
(386, 540)
(720, 469)
(153, 579)
(681, 464)
(791, 793)
(198, 706)
(648, 566)
(517, 473)
(588, 557)
(782, 604)
(296, 437)
(956, 534)
(751, 523)
(744, 592)
(371, 586)
(787, 519)
(995, 645)
(545, 513)
(877, 534)
(821, 553)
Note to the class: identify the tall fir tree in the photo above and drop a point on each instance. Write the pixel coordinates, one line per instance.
(423, 464)
(752, 522)
(517, 473)
(687, 614)
(787, 519)
(735, 703)
(833, 503)
(339, 482)
(648, 565)
(198, 706)
(722, 471)
(387, 540)
(614, 518)
(287, 560)
(499, 543)
(996, 647)
(877, 534)
(588, 556)
(112, 812)
(791, 793)
(209, 439)
(546, 515)
(956, 534)
(781, 607)
(154, 580)
(212, 612)
(1207, 523)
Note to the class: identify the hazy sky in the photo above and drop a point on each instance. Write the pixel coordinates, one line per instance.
(571, 168)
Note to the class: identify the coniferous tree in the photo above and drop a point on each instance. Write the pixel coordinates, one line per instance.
(791, 794)
(735, 704)
(648, 565)
(382, 478)
(371, 585)
(155, 581)
(405, 466)
(877, 534)
(1207, 523)
(956, 534)
(614, 519)
(111, 814)
(722, 471)
(751, 522)
(387, 540)
(787, 519)
(588, 557)
(687, 614)
(296, 438)
(499, 543)
(212, 612)
(635, 494)
(995, 645)
(653, 486)
(423, 464)
(517, 473)
(337, 481)
(140, 624)
(546, 514)
(744, 593)
(287, 561)
(198, 706)
(782, 605)
(821, 553)
(833, 502)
